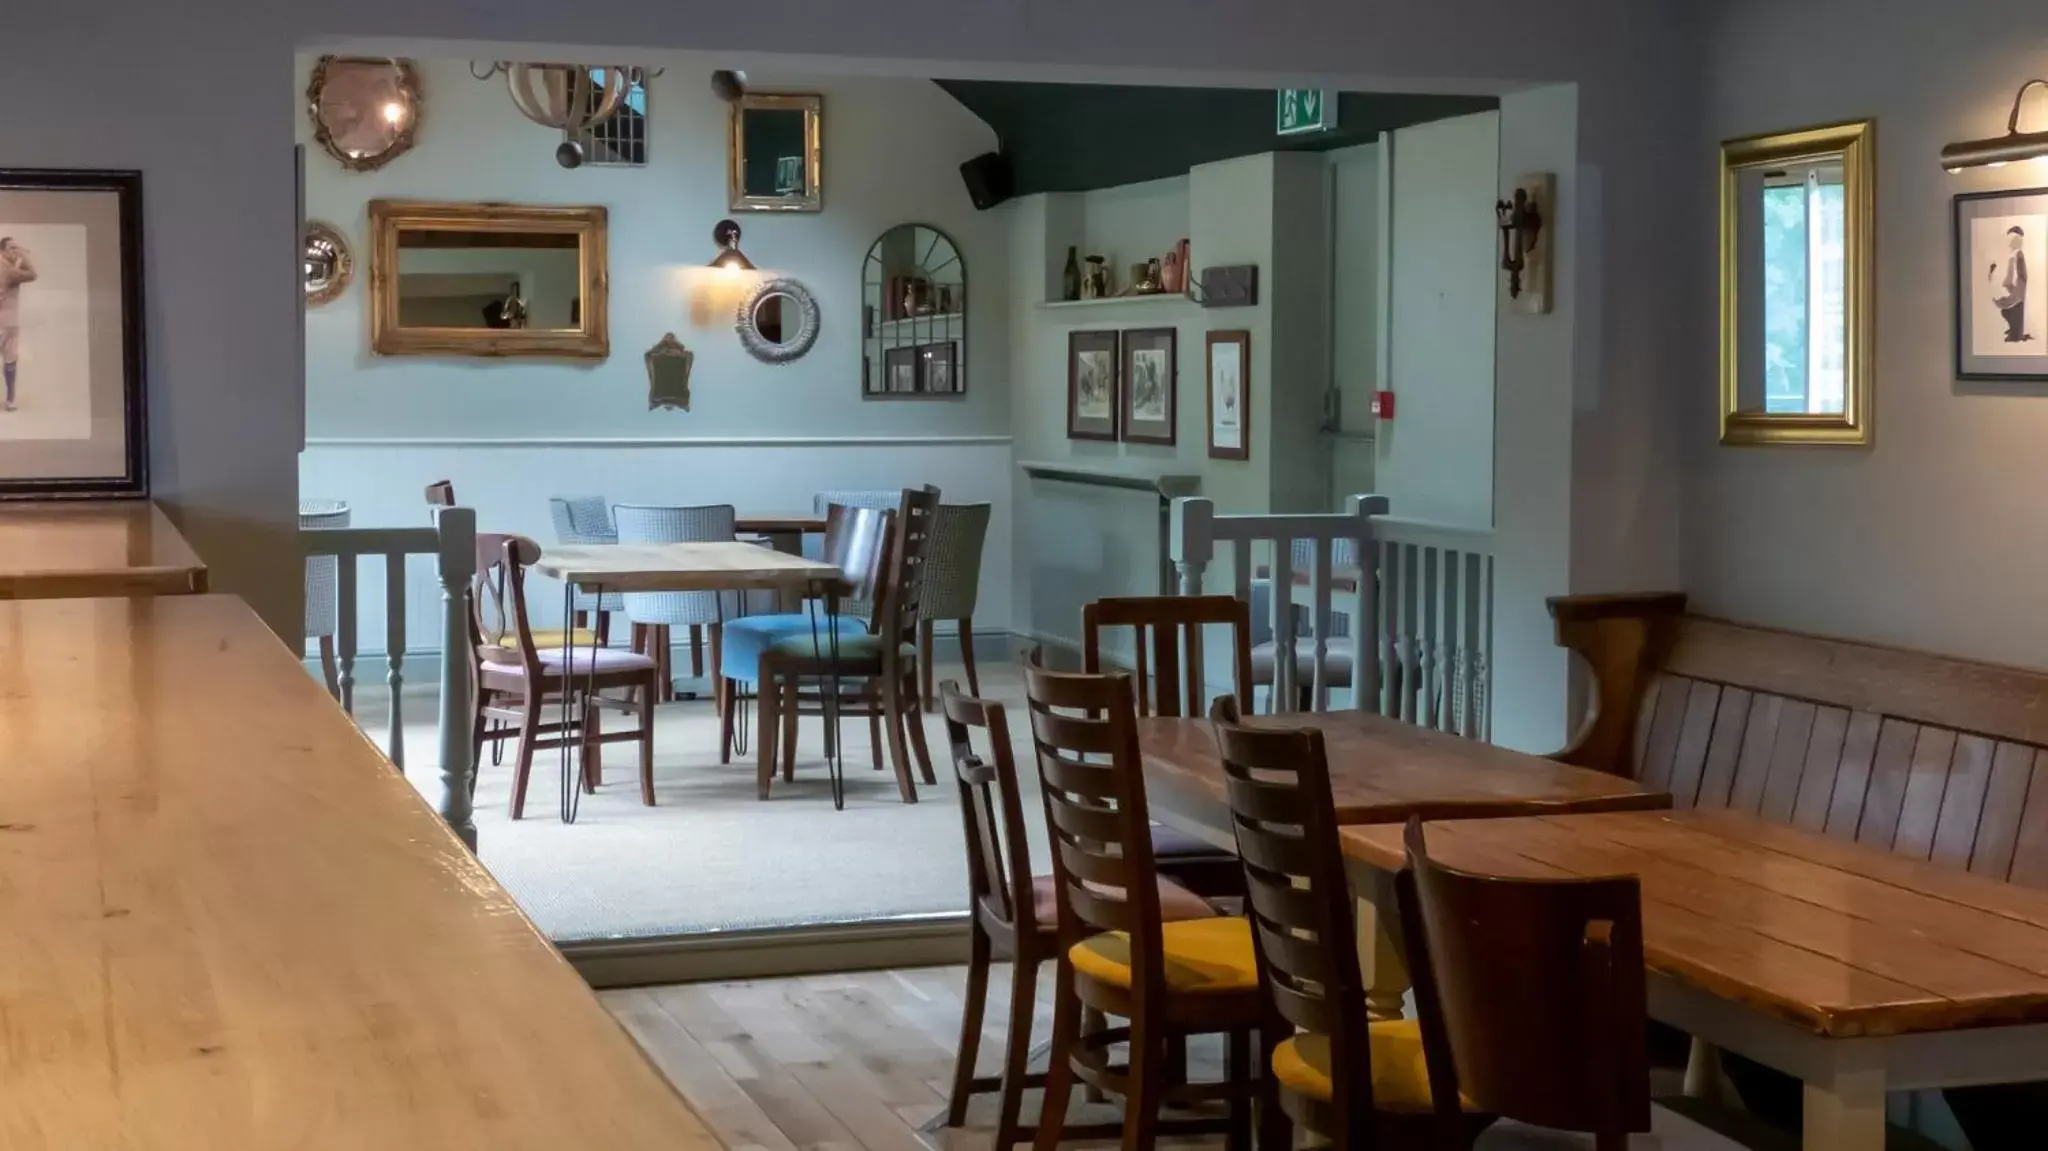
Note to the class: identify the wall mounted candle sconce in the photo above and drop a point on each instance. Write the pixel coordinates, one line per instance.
(1525, 232)
(726, 234)
(1998, 151)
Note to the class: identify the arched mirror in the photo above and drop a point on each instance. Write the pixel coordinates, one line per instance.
(913, 316)
(778, 321)
(365, 112)
(326, 265)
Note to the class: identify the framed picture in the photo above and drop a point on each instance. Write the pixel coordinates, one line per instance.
(1092, 392)
(940, 364)
(71, 415)
(899, 370)
(2001, 239)
(1230, 373)
(1151, 379)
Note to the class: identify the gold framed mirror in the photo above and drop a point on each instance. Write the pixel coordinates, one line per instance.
(487, 280)
(365, 111)
(774, 160)
(1798, 218)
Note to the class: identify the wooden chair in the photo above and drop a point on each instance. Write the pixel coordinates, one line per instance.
(952, 586)
(1013, 914)
(517, 679)
(1348, 1082)
(1176, 687)
(1118, 955)
(1554, 1036)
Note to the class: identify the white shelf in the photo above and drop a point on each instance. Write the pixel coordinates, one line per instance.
(934, 322)
(1152, 300)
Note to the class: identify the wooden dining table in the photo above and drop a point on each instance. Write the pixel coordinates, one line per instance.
(94, 548)
(1382, 771)
(1855, 970)
(784, 532)
(229, 923)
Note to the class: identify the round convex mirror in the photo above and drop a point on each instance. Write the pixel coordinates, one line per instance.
(778, 321)
(326, 264)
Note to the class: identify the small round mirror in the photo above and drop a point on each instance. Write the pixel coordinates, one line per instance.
(778, 321)
(365, 111)
(326, 264)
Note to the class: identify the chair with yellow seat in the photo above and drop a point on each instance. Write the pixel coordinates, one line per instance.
(1117, 956)
(1351, 1083)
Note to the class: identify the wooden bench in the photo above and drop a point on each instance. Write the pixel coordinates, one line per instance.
(1929, 757)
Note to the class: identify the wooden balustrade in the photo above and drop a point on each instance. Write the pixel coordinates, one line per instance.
(452, 541)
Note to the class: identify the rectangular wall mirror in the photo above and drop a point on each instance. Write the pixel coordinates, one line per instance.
(774, 156)
(1797, 218)
(487, 280)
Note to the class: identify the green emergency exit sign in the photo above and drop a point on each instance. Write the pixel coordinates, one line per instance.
(1303, 110)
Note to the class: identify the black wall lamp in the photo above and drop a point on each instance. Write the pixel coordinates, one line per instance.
(726, 234)
(1525, 242)
(1999, 151)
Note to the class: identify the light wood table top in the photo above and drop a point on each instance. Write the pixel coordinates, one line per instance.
(718, 566)
(1383, 771)
(229, 923)
(1841, 940)
(112, 548)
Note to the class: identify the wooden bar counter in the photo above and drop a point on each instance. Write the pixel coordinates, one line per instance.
(121, 547)
(226, 922)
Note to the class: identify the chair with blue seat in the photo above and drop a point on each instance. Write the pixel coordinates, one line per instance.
(653, 614)
(588, 520)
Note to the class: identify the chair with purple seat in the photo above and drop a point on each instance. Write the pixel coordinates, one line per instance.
(518, 680)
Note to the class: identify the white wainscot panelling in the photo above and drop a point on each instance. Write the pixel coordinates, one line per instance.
(509, 482)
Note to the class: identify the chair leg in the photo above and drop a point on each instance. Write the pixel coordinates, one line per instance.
(522, 759)
(914, 720)
(604, 629)
(1238, 1136)
(327, 666)
(696, 651)
(479, 724)
(1275, 1127)
(728, 711)
(893, 707)
(647, 748)
(1059, 1073)
(924, 665)
(768, 697)
(665, 656)
(967, 656)
(1016, 1050)
(717, 664)
(1148, 1088)
(790, 706)
(589, 751)
(875, 729)
(973, 1005)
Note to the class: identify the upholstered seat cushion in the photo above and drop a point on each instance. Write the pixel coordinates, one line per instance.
(607, 659)
(1203, 956)
(1400, 1076)
(1175, 902)
(1336, 662)
(744, 647)
(552, 638)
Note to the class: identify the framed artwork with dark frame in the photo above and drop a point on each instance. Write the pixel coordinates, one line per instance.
(72, 419)
(939, 369)
(899, 371)
(1151, 408)
(1229, 371)
(1093, 397)
(2001, 238)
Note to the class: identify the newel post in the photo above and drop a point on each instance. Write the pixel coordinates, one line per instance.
(1365, 619)
(1192, 541)
(456, 564)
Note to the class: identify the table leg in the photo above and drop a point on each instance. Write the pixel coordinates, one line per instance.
(1379, 950)
(1847, 1113)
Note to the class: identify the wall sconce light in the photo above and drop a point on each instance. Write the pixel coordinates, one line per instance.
(1525, 242)
(726, 234)
(1999, 151)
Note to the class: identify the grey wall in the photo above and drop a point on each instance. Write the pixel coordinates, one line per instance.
(1932, 537)
(221, 248)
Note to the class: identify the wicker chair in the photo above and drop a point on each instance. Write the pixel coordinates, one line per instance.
(588, 520)
(952, 582)
(323, 580)
(652, 614)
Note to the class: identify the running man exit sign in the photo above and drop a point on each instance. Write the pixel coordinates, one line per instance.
(1304, 110)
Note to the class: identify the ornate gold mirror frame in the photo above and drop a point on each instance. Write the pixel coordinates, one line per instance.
(589, 339)
(1851, 147)
(812, 197)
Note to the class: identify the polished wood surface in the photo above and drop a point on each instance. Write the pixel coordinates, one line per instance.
(718, 566)
(231, 924)
(1835, 938)
(1383, 771)
(115, 548)
(793, 523)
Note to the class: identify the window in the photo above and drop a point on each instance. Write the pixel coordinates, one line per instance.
(620, 139)
(1805, 326)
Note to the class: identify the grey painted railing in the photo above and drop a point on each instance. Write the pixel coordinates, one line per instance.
(1435, 624)
(452, 541)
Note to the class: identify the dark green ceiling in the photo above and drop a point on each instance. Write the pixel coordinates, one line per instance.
(1075, 137)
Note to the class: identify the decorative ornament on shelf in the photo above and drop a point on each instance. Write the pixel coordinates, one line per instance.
(1173, 269)
(568, 97)
(668, 374)
(1095, 281)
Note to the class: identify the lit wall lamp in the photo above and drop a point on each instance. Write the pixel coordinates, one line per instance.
(1999, 151)
(1525, 242)
(727, 236)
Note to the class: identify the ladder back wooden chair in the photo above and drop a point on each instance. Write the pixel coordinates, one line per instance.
(1342, 1079)
(1119, 956)
(1557, 1036)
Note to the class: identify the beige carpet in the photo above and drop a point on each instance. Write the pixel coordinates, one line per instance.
(710, 856)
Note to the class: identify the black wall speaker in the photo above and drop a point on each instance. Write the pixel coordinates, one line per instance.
(989, 179)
